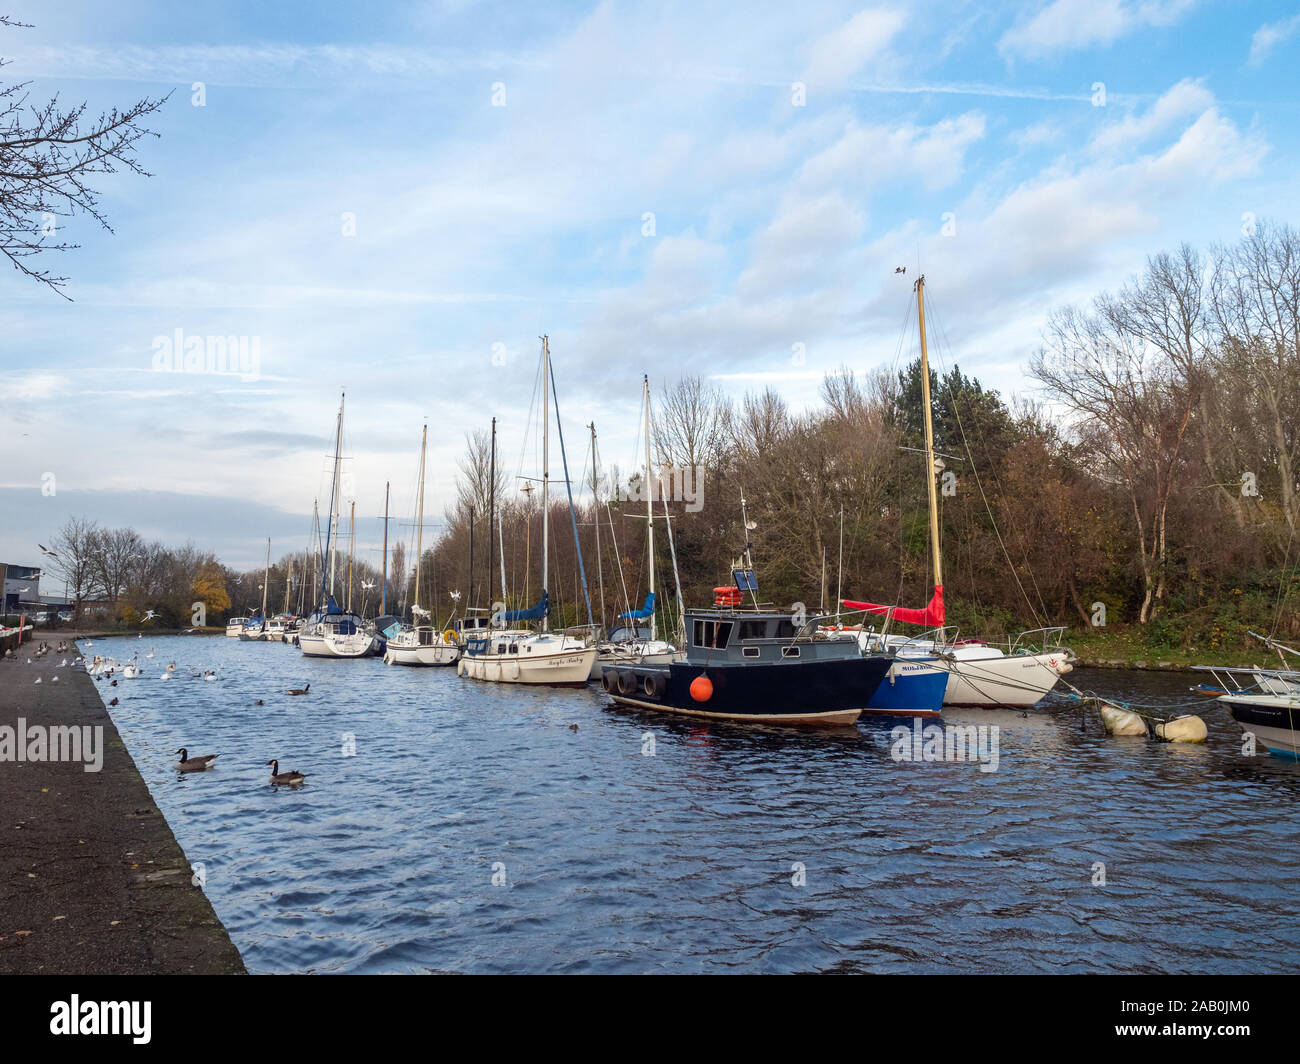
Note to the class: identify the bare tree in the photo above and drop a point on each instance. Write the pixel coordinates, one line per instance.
(47, 156)
(114, 559)
(691, 424)
(75, 548)
(1256, 308)
(1134, 406)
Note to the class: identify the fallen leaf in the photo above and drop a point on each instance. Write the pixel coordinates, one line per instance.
(20, 933)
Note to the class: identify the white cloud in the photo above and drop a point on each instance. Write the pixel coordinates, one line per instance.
(1269, 36)
(837, 56)
(1186, 98)
(1069, 25)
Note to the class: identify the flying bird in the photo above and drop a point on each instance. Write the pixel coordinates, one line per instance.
(900, 269)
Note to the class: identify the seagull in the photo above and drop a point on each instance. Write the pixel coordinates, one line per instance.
(900, 269)
(47, 552)
(367, 587)
(149, 615)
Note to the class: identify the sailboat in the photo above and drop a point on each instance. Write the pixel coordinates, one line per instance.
(331, 632)
(979, 674)
(419, 643)
(258, 630)
(521, 655)
(638, 642)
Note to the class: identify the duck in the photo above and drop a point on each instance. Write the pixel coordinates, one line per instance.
(290, 779)
(171, 667)
(259, 702)
(113, 703)
(209, 675)
(194, 764)
(300, 690)
(573, 727)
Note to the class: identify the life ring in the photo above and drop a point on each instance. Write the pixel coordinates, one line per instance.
(449, 636)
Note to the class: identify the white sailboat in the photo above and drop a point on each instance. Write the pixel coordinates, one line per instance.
(980, 674)
(419, 643)
(331, 632)
(520, 655)
(636, 643)
(259, 630)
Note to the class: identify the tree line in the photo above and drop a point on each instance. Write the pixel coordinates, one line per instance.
(1150, 485)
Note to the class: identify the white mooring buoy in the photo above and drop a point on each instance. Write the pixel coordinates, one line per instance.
(1120, 721)
(1185, 729)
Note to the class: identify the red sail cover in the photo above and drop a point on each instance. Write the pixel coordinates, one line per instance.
(931, 616)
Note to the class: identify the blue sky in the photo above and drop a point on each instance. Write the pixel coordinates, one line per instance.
(477, 225)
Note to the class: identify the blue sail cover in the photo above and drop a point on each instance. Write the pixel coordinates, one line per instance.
(535, 613)
(640, 615)
(333, 606)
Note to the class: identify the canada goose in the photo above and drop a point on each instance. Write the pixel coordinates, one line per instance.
(259, 702)
(291, 779)
(573, 727)
(113, 703)
(195, 764)
(300, 690)
(113, 684)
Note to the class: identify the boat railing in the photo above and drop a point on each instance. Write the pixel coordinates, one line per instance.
(1039, 641)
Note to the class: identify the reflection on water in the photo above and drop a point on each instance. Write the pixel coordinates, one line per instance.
(613, 861)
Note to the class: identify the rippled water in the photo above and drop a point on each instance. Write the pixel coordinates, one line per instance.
(682, 861)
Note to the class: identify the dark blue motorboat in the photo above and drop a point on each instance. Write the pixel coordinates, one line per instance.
(754, 664)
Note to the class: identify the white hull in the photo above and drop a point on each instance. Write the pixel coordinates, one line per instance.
(335, 646)
(1003, 680)
(539, 659)
(657, 653)
(431, 654)
(233, 630)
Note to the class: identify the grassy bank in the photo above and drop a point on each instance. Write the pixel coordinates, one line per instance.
(1134, 647)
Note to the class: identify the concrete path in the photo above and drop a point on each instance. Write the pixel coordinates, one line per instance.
(92, 881)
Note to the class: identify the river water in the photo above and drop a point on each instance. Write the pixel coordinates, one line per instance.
(474, 830)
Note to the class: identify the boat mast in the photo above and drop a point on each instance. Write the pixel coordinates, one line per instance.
(352, 543)
(932, 471)
(492, 509)
(419, 532)
(288, 584)
(313, 544)
(546, 472)
(383, 592)
(266, 581)
(649, 501)
(595, 502)
(335, 488)
(501, 553)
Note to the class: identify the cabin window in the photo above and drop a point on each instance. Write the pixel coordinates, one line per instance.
(784, 628)
(789, 652)
(750, 652)
(501, 648)
(712, 635)
(514, 648)
(753, 630)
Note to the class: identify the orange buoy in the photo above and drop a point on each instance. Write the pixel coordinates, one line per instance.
(701, 688)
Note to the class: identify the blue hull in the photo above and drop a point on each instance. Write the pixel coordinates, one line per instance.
(910, 694)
